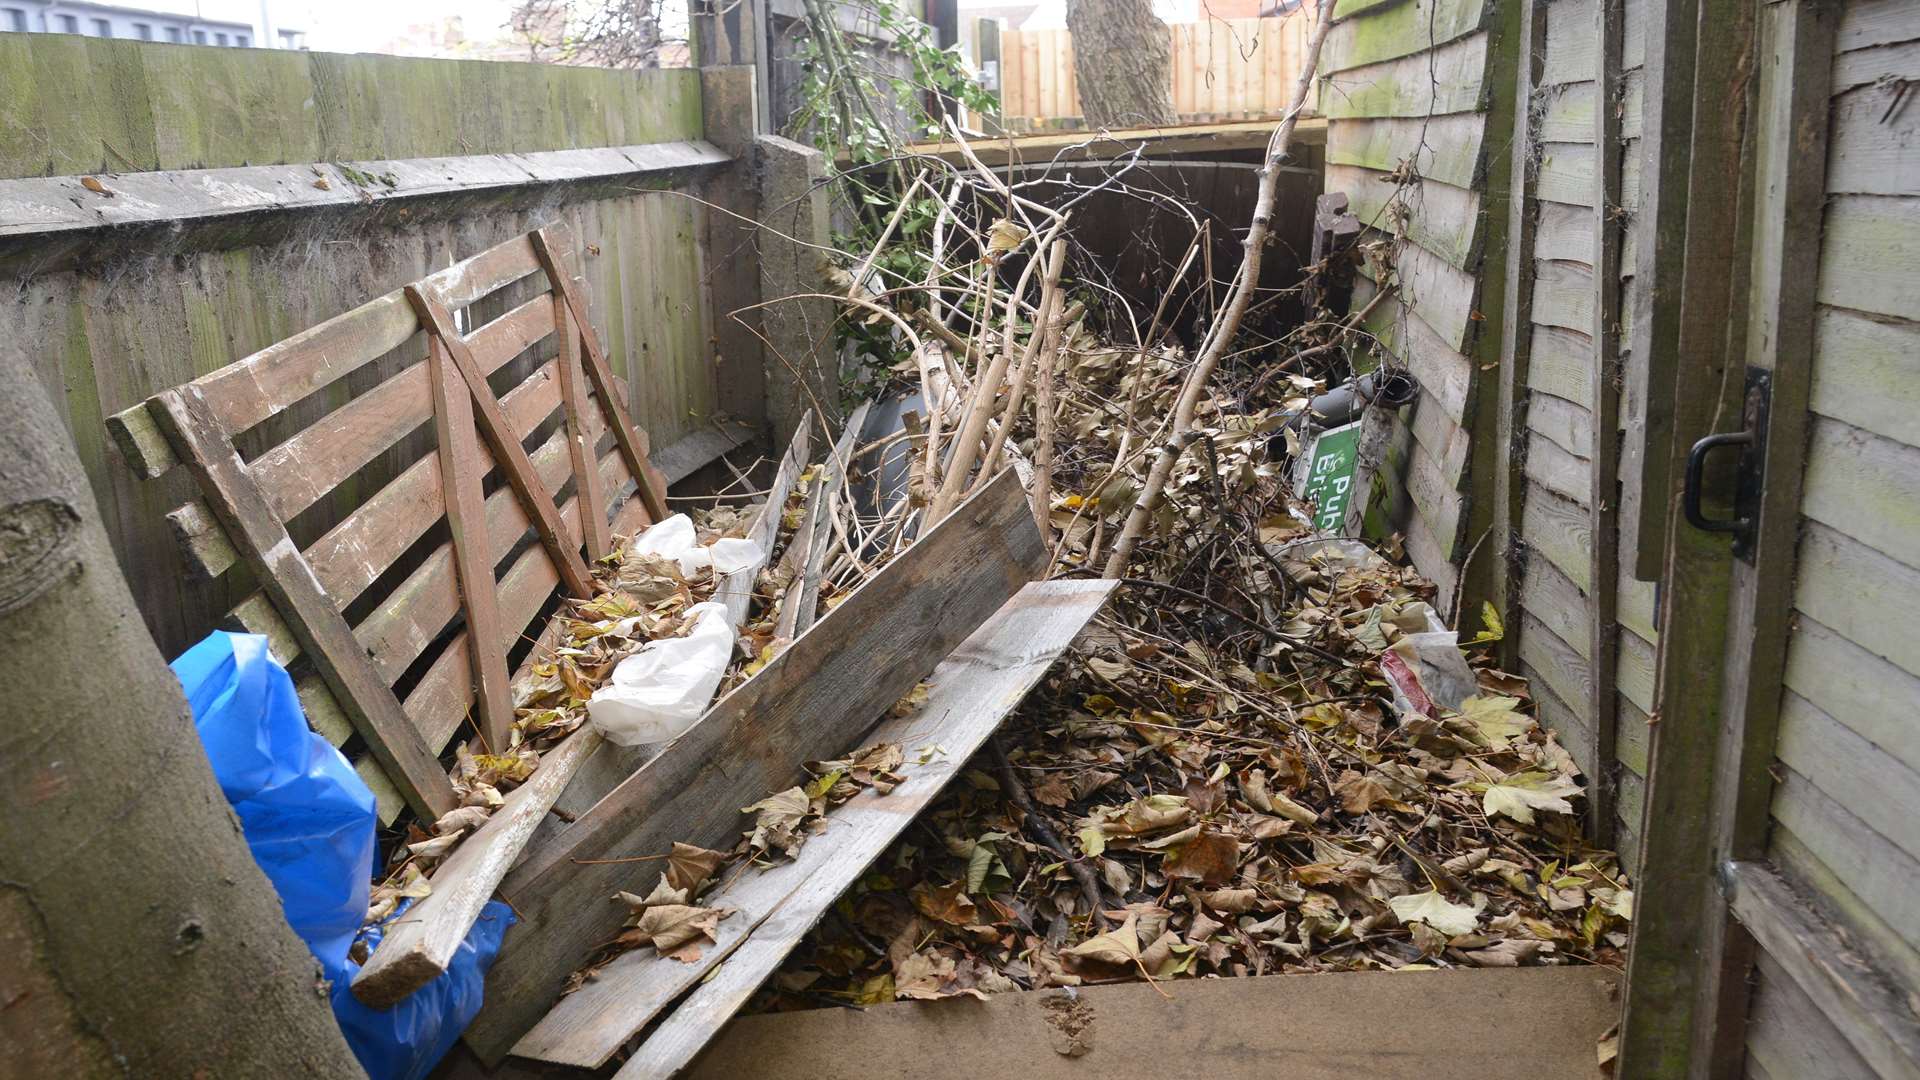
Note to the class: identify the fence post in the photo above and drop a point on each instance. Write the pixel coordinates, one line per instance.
(802, 365)
(729, 116)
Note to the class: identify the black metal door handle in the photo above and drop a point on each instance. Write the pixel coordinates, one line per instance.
(1690, 495)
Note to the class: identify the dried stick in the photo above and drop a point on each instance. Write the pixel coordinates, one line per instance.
(886, 234)
(1042, 489)
(1042, 831)
(1244, 285)
(1050, 305)
(966, 444)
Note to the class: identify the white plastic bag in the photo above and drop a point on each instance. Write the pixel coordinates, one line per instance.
(657, 693)
(674, 539)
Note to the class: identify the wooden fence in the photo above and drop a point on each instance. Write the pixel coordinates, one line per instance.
(1223, 69)
(254, 193)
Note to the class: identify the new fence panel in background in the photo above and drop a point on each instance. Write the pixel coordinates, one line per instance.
(1223, 69)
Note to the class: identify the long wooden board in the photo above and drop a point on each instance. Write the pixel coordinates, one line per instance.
(811, 702)
(973, 690)
(420, 944)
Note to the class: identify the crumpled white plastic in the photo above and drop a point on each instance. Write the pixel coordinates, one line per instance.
(1425, 667)
(674, 539)
(656, 694)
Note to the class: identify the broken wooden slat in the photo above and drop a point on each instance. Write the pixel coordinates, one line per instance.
(1876, 1021)
(547, 247)
(833, 485)
(973, 690)
(420, 944)
(811, 701)
(508, 454)
(203, 446)
(583, 435)
(461, 471)
(736, 589)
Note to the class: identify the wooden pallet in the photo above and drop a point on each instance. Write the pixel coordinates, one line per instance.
(403, 679)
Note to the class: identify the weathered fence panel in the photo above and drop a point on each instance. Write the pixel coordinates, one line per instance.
(441, 160)
(1223, 69)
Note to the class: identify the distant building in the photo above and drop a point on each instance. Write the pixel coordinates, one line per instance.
(136, 24)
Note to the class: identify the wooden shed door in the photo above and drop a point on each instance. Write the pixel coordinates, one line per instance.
(1776, 932)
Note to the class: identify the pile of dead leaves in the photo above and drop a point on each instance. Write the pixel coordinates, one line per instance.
(672, 921)
(1246, 808)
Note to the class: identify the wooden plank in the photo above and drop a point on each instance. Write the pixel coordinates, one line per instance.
(1787, 1036)
(811, 701)
(1866, 372)
(1404, 29)
(1846, 681)
(1441, 294)
(197, 439)
(1759, 107)
(833, 488)
(1448, 79)
(972, 691)
(438, 702)
(1441, 218)
(1445, 148)
(508, 454)
(1865, 486)
(1566, 423)
(1603, 504)
(1560, 606)
(583, 433)
(1556, 470)
(1833, 754)
(1870, 147)
(1874, 1020)
(1859, 593)
(1512, 401)
(736, 590)
(1557, 663)
(1558, 363)
(300, 471)
(419, 946)
(1573, 53)
(1672, 30)
(461, 472)
(1567, 110)
(1458, 1025)
(1854, 875)
(551, 253)
(264, 383)
(411, 617)
(1563, 295)
(1557, 529)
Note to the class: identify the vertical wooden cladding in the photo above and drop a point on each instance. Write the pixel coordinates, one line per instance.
(1404, 84)
(1841, 831)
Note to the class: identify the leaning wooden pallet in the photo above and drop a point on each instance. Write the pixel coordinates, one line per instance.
(306, 591)
(305, 595)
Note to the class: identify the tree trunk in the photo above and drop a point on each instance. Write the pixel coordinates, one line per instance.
(137, 936)
(1122, 63)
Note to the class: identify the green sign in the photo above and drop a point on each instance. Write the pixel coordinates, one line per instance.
(1329, 475)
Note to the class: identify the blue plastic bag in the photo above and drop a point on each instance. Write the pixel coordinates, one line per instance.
(308, 818)
(433, 1017)
(309, 821)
